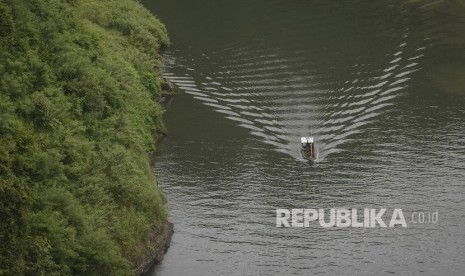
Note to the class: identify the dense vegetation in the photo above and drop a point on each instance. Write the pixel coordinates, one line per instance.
(78, 117)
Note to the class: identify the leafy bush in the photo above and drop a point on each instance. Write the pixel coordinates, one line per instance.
(78, 114)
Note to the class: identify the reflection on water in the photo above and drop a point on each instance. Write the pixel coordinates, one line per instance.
(447, 66)
(367, 78)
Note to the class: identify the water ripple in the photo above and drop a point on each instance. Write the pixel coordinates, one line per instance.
(281, 97)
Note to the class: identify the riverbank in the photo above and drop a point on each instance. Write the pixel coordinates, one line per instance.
(158, 241)
(80, 113)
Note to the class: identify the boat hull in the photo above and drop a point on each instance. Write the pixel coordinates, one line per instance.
(311, 156)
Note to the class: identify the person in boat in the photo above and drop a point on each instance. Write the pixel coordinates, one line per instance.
(308, 149)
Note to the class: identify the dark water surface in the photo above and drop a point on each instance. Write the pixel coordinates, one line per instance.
(381, 84)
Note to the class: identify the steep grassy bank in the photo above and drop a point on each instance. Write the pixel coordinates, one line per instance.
(78, 117)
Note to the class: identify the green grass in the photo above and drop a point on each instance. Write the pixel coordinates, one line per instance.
(78, 118)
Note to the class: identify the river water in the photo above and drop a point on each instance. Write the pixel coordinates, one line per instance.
(381, 86)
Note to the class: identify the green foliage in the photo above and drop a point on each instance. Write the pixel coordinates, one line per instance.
(78, 114)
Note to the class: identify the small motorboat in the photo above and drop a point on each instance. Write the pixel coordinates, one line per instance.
(308, 150)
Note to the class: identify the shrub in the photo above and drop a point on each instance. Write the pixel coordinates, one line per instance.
(78, 114)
